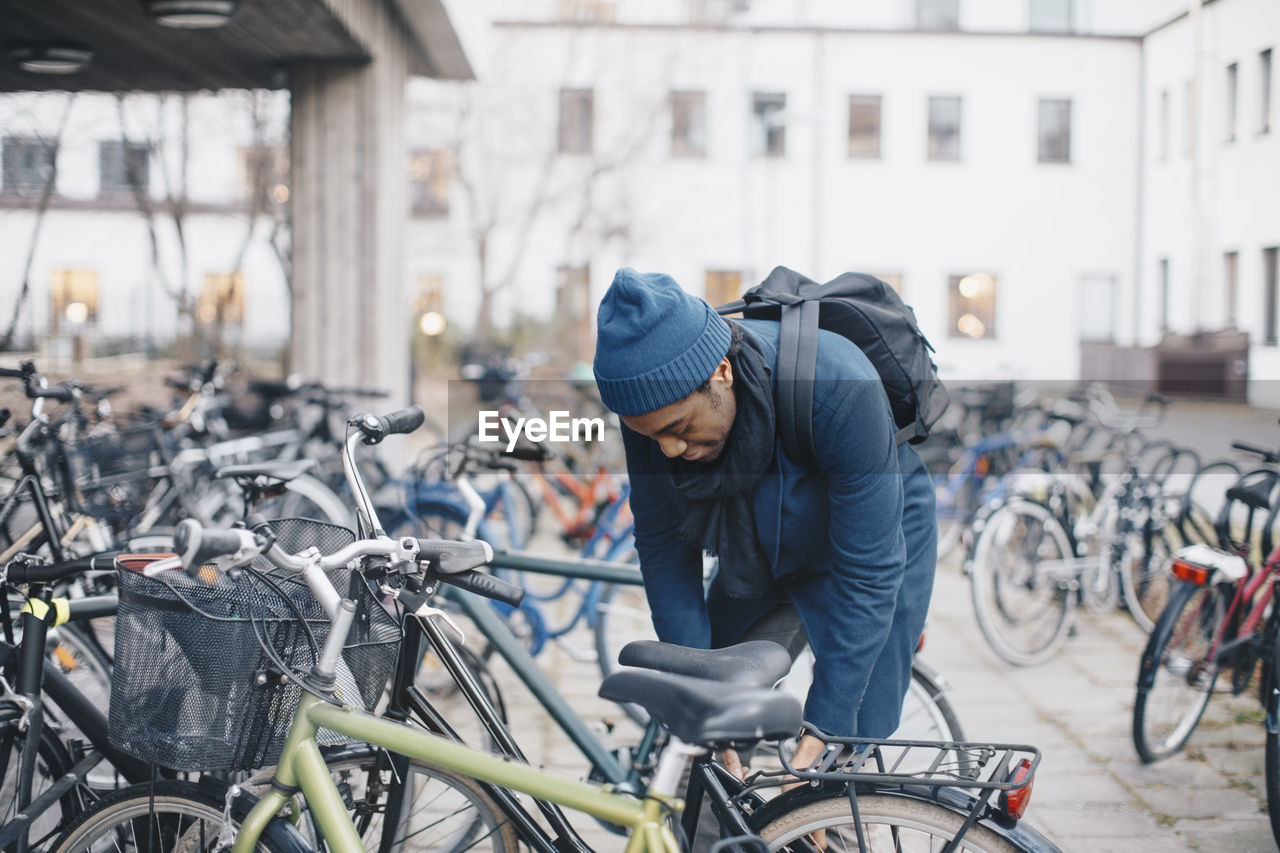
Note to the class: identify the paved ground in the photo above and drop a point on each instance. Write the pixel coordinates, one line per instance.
(1091, 792)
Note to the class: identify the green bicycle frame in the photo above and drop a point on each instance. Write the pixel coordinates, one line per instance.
(301, 766)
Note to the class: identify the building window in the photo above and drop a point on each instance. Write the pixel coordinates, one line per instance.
(1264, 84)
(1097, 308)
(938, 14)
(1270, 300)
(28, 164)
(429, 177)
(1054, 138)
(429, 305)
(723, 286)
(944, 128)
(122, 167)
(74, 298)
(1163, 141)
(1230, 281)
(1164, 294)
(973, 306)
(263, 171)
(222, 299)
(577, 120)
(588, 11)
(1233, 82)
(769, 123)
(688, 124)
(864, 126)
(1050, 16)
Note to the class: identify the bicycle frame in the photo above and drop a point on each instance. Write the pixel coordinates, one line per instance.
(302, 767)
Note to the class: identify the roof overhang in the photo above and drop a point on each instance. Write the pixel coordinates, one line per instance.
(131, 52)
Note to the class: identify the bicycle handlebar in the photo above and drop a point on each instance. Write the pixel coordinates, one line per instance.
(1267, 455)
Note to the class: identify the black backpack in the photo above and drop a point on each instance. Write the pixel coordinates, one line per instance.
(869, 313)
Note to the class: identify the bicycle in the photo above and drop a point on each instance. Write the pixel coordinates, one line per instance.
(981, 815)
(1221, 617)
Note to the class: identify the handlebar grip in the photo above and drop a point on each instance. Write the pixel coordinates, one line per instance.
(1160, 400)
(403, 421)
(486, 585)
(476, 550)
(198, 545)
(11, 373)
(61, 393)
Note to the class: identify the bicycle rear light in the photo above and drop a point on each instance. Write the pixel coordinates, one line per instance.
(1191, 573)
(1014, 803)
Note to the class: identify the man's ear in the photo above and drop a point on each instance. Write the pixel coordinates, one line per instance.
(723, 373)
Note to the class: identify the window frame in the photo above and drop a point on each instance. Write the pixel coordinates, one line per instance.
(1043, 155)
(769, 139)
(958, 302)
(691, 106)
(867, 99)
(576, 127)
(934, 152)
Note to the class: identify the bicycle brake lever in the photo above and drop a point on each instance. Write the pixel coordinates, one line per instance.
(418, 604)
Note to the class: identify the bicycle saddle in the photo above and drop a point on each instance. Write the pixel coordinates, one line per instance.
(281, 471)
(1254, 490)
(707, 713)
(758, 663)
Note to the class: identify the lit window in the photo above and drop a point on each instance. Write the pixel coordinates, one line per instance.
(28, 164)
(73, 297)
(973, 306)
(429, 173)
(1050, 16)
(938, 14)
(688, 124)
(263, 173)
(944, 128)
(768, 110)
(222, 299)
(577, 121)
(429, 305)
(723, 286)
(1054, 141)
(1233, 85)
(123, 167)
(864, 126)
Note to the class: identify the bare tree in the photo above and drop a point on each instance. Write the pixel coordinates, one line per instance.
(42, 207)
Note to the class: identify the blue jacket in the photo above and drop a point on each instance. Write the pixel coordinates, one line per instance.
(840, 543)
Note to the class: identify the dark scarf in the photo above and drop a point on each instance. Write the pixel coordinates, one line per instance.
(719, 518)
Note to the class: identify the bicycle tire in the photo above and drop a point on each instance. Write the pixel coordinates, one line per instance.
(1146, 577)
(921, 824)
(442, 811)
(308, 497)
(1176, 678)
(1270, 695)
(176, 810)
(52, 762)
(1023, 608)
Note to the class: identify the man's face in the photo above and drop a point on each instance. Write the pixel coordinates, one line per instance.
(695, 428)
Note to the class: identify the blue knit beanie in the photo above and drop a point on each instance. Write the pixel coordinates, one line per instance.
(655, 344)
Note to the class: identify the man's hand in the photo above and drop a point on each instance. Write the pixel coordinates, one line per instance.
(807, 751)
(729, 758)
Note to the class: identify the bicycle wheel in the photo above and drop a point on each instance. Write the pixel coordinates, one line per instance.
(622, 615)
(1179, 669)
(1023, 570)
(440, 811)
(927, 713)
(182, 817)
(1271, 702)
(52, 761)
(890, 823)
(1146, 575)
(307, 497)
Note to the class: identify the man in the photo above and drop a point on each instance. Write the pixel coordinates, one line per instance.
(843, 556)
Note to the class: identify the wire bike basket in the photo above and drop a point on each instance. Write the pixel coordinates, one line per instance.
(194, 687)
(110, 470)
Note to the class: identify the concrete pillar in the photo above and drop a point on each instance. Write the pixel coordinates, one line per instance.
(348, 209)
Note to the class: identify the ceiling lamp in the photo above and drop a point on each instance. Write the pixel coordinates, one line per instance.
(192, 14)
(62, 58)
